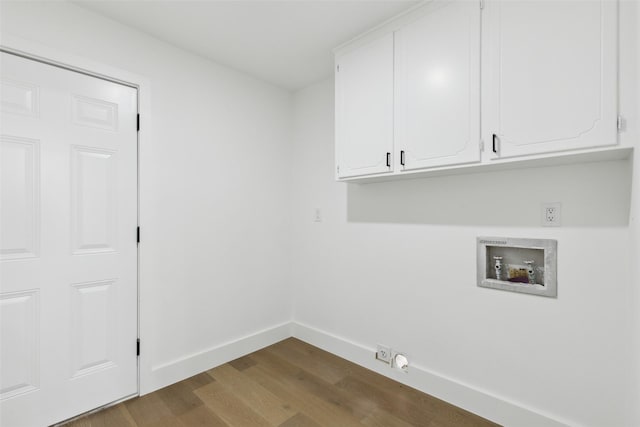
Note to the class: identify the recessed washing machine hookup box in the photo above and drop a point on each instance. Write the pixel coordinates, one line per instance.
(518, 265)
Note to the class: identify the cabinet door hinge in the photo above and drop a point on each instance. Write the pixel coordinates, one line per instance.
(338, 169)
(619, 123)
(138, 347)
(338, 68)
(482, 145)
(138, 235)
(138, 122)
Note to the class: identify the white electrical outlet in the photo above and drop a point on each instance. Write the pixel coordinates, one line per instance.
(551, 214)
(383, 353)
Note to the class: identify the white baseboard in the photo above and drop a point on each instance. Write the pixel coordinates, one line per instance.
(185, 367)
(482, 403)
(473, 399)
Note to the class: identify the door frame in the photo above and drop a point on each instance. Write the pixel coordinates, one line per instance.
(69, 61)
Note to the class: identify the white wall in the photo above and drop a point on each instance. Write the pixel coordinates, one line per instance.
(214, 199)
(394, 263)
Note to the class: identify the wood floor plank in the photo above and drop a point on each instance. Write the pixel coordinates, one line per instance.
(229, 407)
(114, 416)
(199, 380)
(179, 398)
(242, 363)
(300, 420)
(254, 395)
(322, 412)
(127, 414)
(150, 410)
(414, 411)
(322, 357)
(201, 416)
(381, 418)
(408, 411)
(293, 353)
(289, 384)
(111, 417)
(400, 391)
(298, 377)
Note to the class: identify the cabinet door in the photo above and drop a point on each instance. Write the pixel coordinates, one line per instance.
(438, 87)
(364, 109)
(554, 75)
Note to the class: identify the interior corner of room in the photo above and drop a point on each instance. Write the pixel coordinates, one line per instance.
(444, 193)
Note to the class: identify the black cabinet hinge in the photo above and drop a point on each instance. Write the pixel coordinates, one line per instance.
(138, 235)
(138, 347)
(138, 123)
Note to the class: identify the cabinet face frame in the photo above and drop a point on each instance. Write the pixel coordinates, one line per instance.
(364, 82)
(571, 124)
(432, 79)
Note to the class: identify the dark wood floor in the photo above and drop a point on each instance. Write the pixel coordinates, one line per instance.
(289, 384)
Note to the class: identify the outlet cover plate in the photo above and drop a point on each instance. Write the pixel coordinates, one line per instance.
(551, 214)
(383, 353)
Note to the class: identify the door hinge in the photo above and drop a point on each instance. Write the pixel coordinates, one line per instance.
(482, 145)
(138, 235)
(338, 169)
(138, 347)
(338, 68)
(481, 4)
(138, 122)
(619, 123)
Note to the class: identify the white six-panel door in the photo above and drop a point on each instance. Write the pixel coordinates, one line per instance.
(437, 80)
(364, 109)
(552, 67)
(68, 291)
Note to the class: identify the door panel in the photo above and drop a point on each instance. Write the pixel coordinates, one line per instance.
(93, 305)
(68, 291)
(95, 113)
(20, 97)
(438, 87)
(554, 75)
(364, 109)
(20, 351)
(93, 198)
(20, 210)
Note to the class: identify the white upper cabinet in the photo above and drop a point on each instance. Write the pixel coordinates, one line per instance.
(454, 84)
(364, 109)
(437, 87)
(552, 68)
